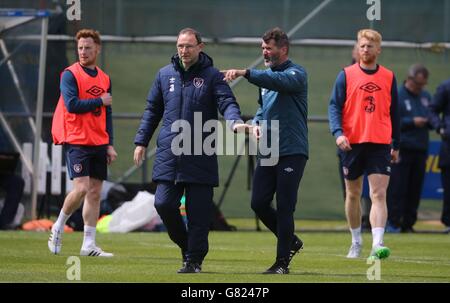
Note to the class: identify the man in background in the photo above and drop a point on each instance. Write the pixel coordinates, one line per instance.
(440, 120)
(406, 182)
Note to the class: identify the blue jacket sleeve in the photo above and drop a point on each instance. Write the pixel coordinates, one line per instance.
(225, 99)
(259, 113)
(336, 105)
(395, 116)
(109, 121)
(69, 91)
(437, 106)
(289, 80)
(152, 114)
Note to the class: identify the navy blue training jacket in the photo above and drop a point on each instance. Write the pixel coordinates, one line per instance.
(283, 97)
(176, 95)
(411, 106)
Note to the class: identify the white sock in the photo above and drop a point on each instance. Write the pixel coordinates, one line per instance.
(61, 221)
(377, 236)
(356, 235)
(89, 237)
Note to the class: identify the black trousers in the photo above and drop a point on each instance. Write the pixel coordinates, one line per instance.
(192, 240)
(13, 187)
(282, 179)
(405, 188)
(445, 178)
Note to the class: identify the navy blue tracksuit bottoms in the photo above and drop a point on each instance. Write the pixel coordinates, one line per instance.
(445, 178)
(284, 180)
(193, 241)
(405, 188)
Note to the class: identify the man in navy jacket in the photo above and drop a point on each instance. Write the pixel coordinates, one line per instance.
(185, 94)
(440, 120)
(407, 176)
(283, 99)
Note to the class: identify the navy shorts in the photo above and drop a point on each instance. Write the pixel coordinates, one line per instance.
(82, 161)
(369, 158)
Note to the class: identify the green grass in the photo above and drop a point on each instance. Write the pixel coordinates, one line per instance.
(423, 226)
(234, 257)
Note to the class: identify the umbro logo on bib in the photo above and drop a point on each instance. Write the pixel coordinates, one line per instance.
(370, 87)
(95, 91)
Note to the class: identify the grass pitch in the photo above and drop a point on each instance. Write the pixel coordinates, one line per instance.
(234, 257)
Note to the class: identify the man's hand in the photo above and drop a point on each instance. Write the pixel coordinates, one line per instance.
(394, 156)
(256, 130)
(139, 155)
(343, 143)
(242, 128)
(111, 154)
(420, 121)
(233, 74)
(106, 99)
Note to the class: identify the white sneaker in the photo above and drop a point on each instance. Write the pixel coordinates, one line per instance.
(55, 241)
(354, 251)
(95, 252)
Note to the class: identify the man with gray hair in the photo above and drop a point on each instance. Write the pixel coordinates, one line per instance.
(192, 90)
(407, 175)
